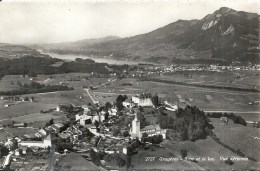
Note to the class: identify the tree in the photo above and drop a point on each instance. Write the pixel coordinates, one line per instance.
(51, 122)
(144, 136)
(184, 153)
(92, 155)
(3, 151)
(157, 139)
(121, 98)
(126, 134)
(141, 109)
(96, 123)
(155, 100)
(26, 99)
(15, 145)
(119, 105)
(120, 162)
(101, 108)
(258, 124)
(108, 105)
(229, 161)
(184, 135)
(115, 131)
(106, 115)
(128, 161)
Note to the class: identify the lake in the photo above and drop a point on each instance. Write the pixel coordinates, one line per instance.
(96, 59)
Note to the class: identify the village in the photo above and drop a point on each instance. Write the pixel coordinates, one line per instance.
(109, 129)
(105, 132)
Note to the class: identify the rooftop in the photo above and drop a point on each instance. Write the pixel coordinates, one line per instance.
(151, 127)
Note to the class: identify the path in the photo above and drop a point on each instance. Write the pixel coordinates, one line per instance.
(95, 102)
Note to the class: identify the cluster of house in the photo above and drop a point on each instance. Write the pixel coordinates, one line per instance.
(108, 145)
(73, 133)
(23, 145)
(90, 116)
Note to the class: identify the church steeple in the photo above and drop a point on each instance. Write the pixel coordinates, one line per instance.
(136, 118)
(135, 127)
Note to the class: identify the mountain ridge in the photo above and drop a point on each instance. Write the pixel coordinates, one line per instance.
(224, 37)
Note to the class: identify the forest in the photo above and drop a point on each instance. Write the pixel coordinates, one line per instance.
(190, 124)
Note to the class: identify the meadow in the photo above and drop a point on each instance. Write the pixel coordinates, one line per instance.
(208, 148)
(72, 161)
(23, 108)
(9, 82)
(238, 137)
(240, 79)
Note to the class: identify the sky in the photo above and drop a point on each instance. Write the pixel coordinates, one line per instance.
(51, 22)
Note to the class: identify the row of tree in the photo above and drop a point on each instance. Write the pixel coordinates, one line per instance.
(236, 119)
(35, 87)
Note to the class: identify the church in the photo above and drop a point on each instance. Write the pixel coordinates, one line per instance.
(151, 130)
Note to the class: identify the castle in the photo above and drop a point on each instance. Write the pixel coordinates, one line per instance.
(144, 99)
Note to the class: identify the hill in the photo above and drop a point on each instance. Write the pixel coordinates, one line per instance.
(225, 36)
(77, 47)
(10, 51)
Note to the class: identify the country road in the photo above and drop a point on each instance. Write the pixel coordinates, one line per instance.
(94, 102)
(91, 97)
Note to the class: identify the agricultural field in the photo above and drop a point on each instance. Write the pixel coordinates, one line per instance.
(200, 77)
(76, 97)
(209, 100)
(73, 161)
(208, 148)
(115, 88)
(75, 80)
(231, 134)
(9, 82)
(140, 161)
(25, 108)
(242, 79)
(38, 120)
(249, 80)
(4, 135)
(21, 131)
(38, 117)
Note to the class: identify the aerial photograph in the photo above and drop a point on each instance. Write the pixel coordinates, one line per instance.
(129, 85)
